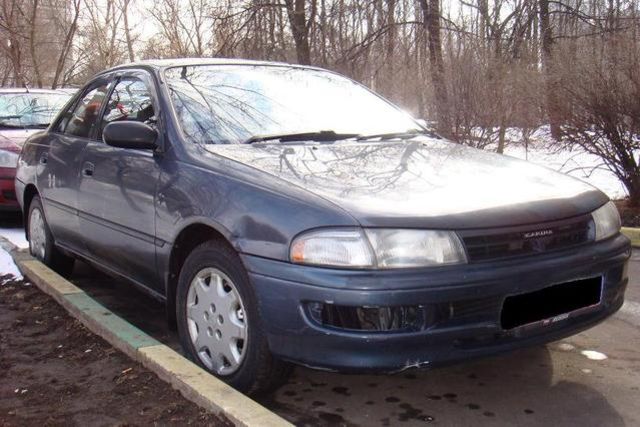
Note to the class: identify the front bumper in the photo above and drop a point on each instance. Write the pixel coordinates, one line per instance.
(473, 329)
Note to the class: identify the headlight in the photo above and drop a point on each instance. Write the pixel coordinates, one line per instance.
(8, 159)
(377, 248)
(607, 221)
(340, 248)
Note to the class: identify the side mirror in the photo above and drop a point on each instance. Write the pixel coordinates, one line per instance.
(130, 134)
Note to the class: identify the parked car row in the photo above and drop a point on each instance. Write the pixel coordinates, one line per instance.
(287, 214)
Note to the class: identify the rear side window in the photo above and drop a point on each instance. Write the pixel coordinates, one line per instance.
(84, 117)
(129, 101)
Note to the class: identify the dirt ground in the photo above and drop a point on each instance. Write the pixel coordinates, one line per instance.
(56, 372)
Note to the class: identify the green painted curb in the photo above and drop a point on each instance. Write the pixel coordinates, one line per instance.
(110, 323)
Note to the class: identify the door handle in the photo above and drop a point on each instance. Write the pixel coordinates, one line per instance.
(43, 158)
(87, 169)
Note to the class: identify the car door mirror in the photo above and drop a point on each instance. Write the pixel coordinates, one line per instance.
(130, 134)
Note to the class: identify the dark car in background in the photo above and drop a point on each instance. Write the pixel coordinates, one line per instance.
(22, 113)
(288, 214)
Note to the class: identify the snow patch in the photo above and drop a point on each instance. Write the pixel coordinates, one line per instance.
(593, 355)
(576, 163)
(8, 269)
(565, 346)
(15, 236)
(542, 150)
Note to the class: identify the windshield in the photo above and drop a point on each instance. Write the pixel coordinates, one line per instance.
(26, 110)
(227, 104)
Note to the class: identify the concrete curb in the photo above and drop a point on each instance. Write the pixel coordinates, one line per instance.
(633, 234)
(193, 382)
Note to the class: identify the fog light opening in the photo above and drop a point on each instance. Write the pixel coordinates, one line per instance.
(365, 318)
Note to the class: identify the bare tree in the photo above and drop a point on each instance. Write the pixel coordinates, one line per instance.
(296, 10)
(184, 24)
(431, 17)
(12, 29)
(67, 44)
(127, 29)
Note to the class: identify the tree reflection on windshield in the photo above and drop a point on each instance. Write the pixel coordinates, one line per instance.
(30, 109)
(233, 103)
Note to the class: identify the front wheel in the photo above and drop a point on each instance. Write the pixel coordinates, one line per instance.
(41, 244)
(219, 323)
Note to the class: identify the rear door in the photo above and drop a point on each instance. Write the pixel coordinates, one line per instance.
(59, 167)
(117, 186)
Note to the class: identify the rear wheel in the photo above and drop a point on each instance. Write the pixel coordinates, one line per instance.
(219, 323)
(41, 243)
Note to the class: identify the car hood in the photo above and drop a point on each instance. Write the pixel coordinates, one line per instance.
(422, 182)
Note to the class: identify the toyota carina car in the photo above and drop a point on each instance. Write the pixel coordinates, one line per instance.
(287, 214)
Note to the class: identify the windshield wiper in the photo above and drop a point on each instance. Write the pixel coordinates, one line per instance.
(4, 124)
(320, 136)
(393, 135)
(37, 126)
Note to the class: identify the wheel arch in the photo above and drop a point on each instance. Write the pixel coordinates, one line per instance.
(189, 237)
(30, 191)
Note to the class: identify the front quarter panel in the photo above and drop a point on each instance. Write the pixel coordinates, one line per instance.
(257, 218)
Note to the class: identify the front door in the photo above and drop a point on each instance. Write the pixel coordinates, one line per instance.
(118, 187)
(59, 165)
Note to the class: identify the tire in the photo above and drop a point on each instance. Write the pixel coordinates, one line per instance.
(213, 284)
(41, 243)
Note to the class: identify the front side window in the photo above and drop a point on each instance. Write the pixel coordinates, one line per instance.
(130, 100)
(84, 117)
(30, 110)
(229, 104)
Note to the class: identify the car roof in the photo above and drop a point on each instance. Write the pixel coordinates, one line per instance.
(30, 90)
(180, 62)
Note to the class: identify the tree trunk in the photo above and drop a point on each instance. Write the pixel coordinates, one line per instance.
(32, 43)
(553, 103)
(633, 187)
(66, 46)
(15, 55)
(299, 29)
(431, 20)
(389, 75)
(127, 30)
(502, 135)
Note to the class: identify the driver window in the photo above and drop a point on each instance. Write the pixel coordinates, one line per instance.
(84, 117)
(130, 100)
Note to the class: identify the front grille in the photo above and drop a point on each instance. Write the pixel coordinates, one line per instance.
(519, 241)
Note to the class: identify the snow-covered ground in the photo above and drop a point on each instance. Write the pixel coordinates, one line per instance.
(584, 166)
(541, 150)
(14, 235)
(7, 266)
